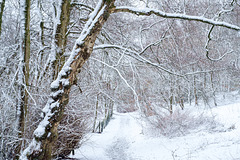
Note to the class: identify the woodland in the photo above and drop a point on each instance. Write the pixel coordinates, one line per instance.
(66, 65)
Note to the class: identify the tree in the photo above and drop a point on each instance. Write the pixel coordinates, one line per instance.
(46, 133)
(61, 16)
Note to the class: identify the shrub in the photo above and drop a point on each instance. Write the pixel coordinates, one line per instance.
(180, 123)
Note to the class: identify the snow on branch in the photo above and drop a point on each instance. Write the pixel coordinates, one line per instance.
(140, 58)
(207, 48)
(136, 56)
(82, 4)
(124, 80)
(150, 11)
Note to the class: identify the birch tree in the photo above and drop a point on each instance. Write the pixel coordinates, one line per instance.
(46, 133)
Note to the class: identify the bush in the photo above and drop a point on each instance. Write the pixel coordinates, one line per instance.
(180, 123)
(71, 132)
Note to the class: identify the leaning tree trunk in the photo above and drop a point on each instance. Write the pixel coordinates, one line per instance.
(46, 133)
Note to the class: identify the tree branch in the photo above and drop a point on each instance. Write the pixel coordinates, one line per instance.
(136, 56)
(150, 11)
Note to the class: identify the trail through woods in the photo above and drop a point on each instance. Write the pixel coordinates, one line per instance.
(125, 139)
(122, 131)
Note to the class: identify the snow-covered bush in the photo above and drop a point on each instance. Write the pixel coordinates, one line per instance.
(180, 123)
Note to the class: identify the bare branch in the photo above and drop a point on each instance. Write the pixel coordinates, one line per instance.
(82, 4)
(150, 11)
(207, 49)
(136, 56)
(158, 42)
(124, 80)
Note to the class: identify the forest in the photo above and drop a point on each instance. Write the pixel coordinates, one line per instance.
(67, 65)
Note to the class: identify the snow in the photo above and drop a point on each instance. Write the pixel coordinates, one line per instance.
(33, 145)
(56, 12)
(47, 106)
(93, 18)
(125, 139)
(121, 131)
(65, 82)
(41, 127)
(148, 11)
(40, 131)
(56, 94)
(55, 84)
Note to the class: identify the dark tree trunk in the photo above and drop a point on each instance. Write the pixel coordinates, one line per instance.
(1, 15)
(61, 37)
(23, 99)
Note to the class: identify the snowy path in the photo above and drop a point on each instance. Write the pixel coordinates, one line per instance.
(114, 142)
(118, 149)
(123, 140)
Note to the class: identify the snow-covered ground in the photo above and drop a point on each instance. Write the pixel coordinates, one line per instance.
(125, 139)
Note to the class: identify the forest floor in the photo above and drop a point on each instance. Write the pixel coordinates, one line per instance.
(127, 138)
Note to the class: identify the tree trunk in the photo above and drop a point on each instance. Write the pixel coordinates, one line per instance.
(23, 75)
(95, 117)
(171, 104)
(195, 90)
(2, 4)
(61, 18)
(213, 89)
(46, 133)
(41, 22)
(61, 37)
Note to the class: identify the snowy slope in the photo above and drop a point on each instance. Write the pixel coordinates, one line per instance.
(123, 139)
